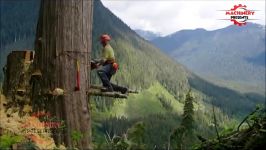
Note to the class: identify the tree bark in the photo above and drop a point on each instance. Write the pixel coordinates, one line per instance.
(63, 44)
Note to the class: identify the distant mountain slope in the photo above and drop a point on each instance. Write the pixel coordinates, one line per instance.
(148, 35)
(232, 53)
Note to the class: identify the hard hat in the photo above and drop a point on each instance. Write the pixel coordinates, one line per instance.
(105, 37)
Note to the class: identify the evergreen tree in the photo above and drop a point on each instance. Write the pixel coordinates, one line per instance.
(183, 135)
(188, 121)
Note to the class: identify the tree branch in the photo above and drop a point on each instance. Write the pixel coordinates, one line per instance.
(215, 124)
(245, 119)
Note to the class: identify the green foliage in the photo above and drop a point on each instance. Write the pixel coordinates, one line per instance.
(176, 137)
(227, 129)
(76, 136)
(136, 133)
(115, 126)
(187, 120)
(29, 145)
(155, 124)
(252, 137)
(116, 143)
(185, 130)
(132, 140)
(259, 114)
(7, 140)
(121, 143)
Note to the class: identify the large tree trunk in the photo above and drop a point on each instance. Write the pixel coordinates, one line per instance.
(63, 39)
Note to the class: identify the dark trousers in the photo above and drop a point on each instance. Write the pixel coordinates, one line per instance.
(105, 73)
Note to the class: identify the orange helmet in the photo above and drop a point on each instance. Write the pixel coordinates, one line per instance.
(105, 38)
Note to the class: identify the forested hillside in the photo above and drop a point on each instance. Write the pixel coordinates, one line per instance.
(163, 85)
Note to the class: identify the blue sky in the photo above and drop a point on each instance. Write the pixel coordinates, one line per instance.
(168, 16)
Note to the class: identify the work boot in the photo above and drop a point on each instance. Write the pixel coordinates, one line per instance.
(124, 90)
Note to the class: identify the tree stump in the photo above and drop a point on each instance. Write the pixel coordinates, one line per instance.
(17, 73)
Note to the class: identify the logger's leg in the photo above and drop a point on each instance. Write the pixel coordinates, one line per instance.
(116, 88)
(105, 77)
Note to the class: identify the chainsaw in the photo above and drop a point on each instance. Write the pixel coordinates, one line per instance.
(94, 64)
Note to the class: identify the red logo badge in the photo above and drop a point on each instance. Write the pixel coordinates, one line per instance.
(239, 14)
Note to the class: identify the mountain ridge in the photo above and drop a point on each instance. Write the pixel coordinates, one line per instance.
(148, 35)
(223, 53)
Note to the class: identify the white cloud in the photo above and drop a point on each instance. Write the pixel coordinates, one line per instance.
(168, 16)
